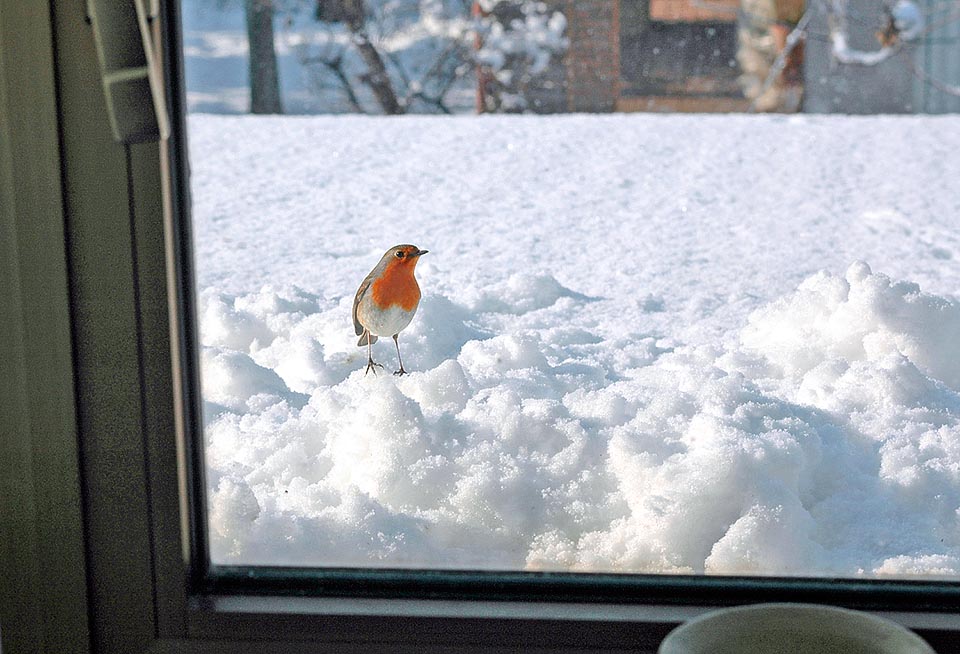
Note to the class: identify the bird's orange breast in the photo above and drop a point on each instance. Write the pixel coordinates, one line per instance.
(397, 286)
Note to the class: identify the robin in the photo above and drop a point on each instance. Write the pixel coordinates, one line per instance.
(386, 300)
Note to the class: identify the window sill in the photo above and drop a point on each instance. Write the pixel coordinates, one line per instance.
(241, 623)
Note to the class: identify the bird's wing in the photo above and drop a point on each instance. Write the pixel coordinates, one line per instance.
(357, 327)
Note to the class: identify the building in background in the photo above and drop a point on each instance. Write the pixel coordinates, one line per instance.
(716, 56)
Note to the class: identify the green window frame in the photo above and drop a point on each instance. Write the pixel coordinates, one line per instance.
(101, 505)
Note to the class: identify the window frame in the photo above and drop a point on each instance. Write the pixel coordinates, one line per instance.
(43, 602)
(123, 312)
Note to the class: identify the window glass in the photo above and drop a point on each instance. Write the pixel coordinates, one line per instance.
(686, 283)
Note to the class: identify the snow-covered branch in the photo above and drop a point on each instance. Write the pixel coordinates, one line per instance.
(794, 38)
(905, 22)
(517, 40)
(943, 87)
(844, 54)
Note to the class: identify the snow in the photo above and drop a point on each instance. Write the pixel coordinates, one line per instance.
(908, 19)
(536, 37)
(674, 344)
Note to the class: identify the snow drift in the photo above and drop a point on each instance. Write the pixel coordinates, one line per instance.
(645, 344)
(826, 441)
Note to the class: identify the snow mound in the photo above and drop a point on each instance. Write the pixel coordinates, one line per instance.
(823, 439)
(521, 294)
(835, 321)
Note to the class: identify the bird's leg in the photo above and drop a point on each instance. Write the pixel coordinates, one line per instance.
(397, 343)
(371, 365)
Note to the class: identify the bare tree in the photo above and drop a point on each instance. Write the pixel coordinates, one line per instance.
(264, 75)
(352, 56)
(353, 13)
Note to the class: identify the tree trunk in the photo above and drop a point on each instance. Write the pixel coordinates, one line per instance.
(376, 77)
(264, 78)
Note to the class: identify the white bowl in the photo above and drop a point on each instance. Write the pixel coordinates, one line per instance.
(791, 629)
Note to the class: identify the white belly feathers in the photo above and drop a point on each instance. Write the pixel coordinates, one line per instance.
(384, 323)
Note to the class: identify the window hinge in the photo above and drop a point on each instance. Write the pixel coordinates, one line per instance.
(130, 68)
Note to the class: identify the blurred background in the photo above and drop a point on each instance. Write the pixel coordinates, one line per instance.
(555, 56)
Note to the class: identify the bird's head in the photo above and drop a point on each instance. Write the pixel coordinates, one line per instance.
(403, 257)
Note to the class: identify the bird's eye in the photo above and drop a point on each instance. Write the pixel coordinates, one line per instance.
(400, 255)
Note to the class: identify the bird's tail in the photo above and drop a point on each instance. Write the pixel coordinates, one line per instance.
(363, 339)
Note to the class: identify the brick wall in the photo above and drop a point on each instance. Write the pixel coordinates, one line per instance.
(693, 10)
(592, 71)
(592, 61)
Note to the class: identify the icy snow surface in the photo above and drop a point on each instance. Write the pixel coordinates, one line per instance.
(646, 343)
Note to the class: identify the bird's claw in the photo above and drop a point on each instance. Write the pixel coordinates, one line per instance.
(400, 372)
(372, 365)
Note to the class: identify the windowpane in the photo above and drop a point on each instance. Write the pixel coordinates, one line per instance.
(681, 311)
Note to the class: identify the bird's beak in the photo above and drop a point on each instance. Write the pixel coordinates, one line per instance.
(419, 252)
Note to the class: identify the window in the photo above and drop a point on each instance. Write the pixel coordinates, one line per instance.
(646, 343)
(101, 492)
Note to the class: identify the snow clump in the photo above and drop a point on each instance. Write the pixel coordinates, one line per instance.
(822, 438)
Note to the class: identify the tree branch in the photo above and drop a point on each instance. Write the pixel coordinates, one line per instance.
(842, 52)
(336, 67)
(793, 38)
(943, 87)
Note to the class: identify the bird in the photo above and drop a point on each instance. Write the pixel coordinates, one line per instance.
(387, 300)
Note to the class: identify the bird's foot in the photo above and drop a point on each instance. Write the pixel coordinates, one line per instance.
(400, 372)
(372, 365)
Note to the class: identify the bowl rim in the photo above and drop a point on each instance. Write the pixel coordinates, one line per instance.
(730, 615)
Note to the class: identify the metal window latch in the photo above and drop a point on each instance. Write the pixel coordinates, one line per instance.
(130, 68)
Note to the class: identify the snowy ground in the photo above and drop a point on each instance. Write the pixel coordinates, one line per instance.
(646, 343)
